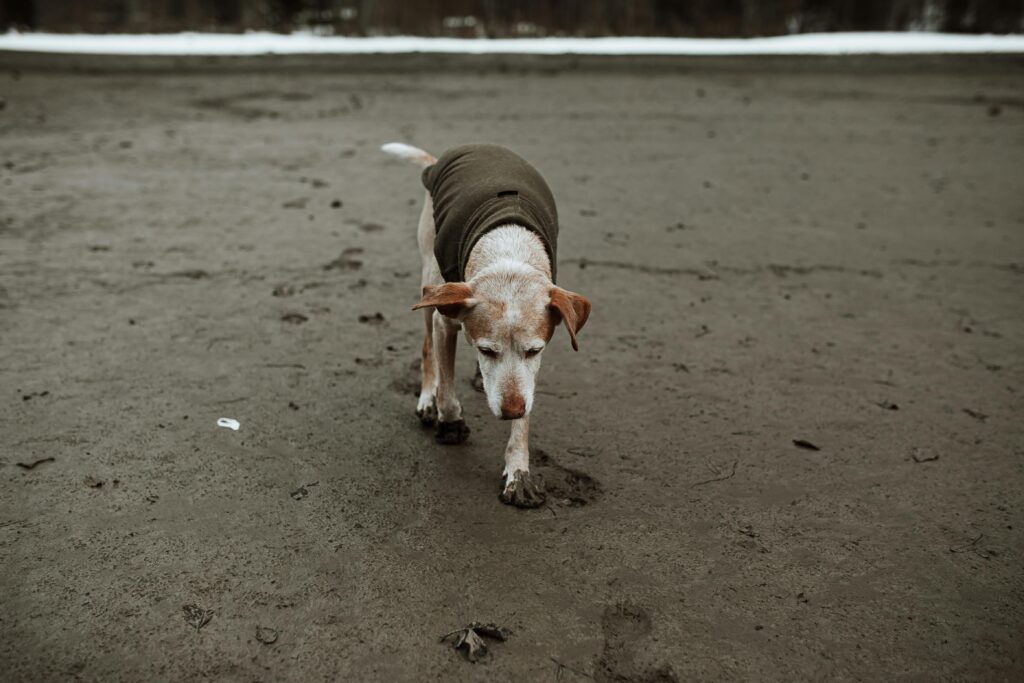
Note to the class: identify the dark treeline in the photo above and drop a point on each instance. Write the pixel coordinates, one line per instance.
(513, 18)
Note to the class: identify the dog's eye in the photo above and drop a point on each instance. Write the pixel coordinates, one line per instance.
(530, 353)
(489, 352)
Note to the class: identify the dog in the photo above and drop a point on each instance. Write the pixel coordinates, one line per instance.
(488, 236)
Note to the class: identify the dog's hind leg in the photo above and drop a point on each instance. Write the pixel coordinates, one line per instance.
(437, 393)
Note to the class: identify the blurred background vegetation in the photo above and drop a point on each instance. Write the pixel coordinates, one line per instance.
(515, 18)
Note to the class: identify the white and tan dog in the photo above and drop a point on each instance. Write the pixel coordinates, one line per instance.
(508, 306)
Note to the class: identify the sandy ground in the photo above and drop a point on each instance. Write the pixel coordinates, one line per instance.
(828, 250)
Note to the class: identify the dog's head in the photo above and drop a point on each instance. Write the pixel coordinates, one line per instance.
(509, 317)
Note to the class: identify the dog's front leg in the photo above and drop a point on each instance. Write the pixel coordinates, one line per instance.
(451, 428)
(520, 489)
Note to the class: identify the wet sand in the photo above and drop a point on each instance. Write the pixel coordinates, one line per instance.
(776, 250)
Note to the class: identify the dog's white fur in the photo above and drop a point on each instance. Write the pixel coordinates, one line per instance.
(508, 307)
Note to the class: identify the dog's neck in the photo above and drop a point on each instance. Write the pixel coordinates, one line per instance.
(508, 249)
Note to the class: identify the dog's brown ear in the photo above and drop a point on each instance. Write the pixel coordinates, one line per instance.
(573, 309)
(451, 299)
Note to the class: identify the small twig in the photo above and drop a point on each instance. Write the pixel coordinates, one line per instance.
(33, 465)
(967, 547)
(711, 466)
(566, 666)
(732, 472)
(229, 401)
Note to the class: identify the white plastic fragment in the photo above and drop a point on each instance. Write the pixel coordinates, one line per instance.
(228, 422)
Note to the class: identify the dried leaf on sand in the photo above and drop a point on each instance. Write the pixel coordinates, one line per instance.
(471, 639)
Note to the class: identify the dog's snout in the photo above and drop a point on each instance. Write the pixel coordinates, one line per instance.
(513, 407)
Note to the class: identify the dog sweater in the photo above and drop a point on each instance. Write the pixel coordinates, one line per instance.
(477, 188)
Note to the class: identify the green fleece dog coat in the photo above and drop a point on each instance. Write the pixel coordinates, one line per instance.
(477, 188)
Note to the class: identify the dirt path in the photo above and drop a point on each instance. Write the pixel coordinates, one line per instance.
(775, 250)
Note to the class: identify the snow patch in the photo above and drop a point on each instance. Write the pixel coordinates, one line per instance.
(256, 43)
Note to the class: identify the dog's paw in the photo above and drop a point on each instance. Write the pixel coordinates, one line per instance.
(451, 433)
(524, 490)
(478, 381)
(426, 411)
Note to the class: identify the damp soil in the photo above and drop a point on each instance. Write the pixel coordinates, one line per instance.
(776, 250)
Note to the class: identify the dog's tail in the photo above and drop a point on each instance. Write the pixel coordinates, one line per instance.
(410, 153)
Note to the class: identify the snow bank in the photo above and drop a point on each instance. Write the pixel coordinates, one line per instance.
(307, 43)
